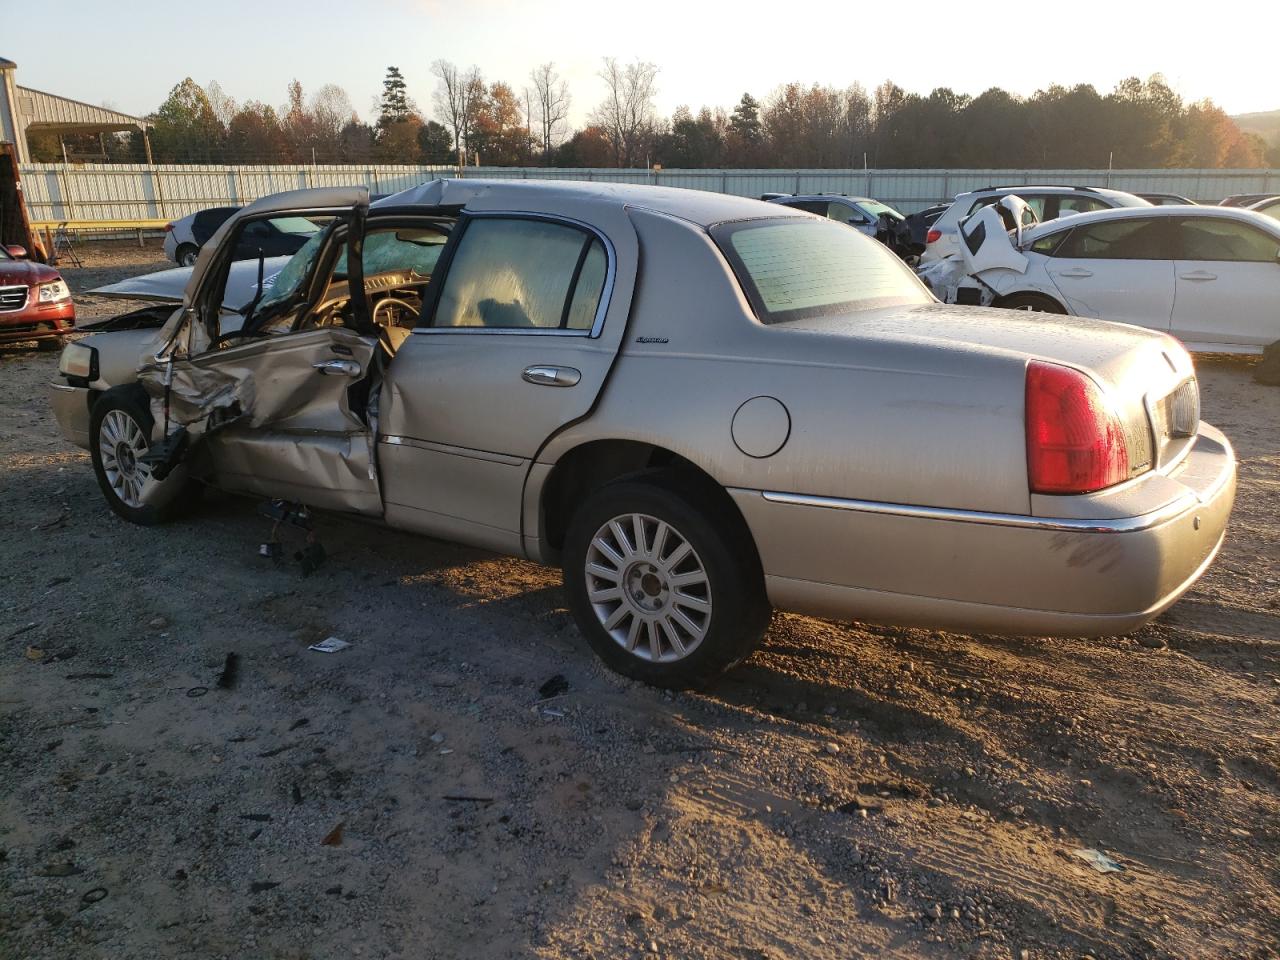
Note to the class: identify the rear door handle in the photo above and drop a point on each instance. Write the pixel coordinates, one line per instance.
(338, 368)
(551, 376)
(1076, 272)
(1198, 275)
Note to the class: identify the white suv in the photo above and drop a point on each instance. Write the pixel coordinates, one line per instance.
(1049, 203)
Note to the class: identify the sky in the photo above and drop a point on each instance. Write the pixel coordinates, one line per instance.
(127, 54)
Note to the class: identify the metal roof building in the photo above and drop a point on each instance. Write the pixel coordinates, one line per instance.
(24, 110)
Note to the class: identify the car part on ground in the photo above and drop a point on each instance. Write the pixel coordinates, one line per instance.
(484, 361)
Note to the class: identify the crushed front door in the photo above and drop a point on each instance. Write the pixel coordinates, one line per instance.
(283, 419)
(276, 402)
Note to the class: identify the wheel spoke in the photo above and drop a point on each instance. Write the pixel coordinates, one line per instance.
(610, 554)
(633, 634)
(617, 616)
(673, 635)
(655, 644)
(604, 573)
(620, 535)
(691, 603)
(680, 617)
(605, 596)
(659, 541)
(687, 579)
(678, 555)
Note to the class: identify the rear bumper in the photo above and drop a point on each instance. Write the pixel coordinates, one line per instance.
(71, 409)
(38, 322)
(995, 573)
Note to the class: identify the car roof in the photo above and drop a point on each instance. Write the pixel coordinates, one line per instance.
(700, 207)
(1042, 188)
(821, 196)
(1184, 211)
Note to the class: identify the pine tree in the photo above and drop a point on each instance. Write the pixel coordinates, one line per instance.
(395, 107)
(745, 121)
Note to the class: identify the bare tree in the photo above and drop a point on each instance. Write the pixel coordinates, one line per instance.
(455, 99)
(223, 106)
(627, 114)
(549, 107)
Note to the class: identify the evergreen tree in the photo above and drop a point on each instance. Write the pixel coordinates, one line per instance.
(745, 121)
(395, 106)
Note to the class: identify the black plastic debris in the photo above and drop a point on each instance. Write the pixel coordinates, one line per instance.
(300, 722)
(554, 687)
(96, 895)
(90, 676)
(258, 886)
(256, 817)
(310, 557)
(227, 679)
(296, 793)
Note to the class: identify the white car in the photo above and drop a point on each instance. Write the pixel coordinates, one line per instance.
(1048, 203)
(1207, 275)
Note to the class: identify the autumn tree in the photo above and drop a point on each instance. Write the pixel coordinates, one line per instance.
(185, 127)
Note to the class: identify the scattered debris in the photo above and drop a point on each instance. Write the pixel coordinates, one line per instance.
(860, 803)
(227, 679)
(329, 645)
(296, 793)
(59, 870)
(96, 895)
(35, 653)
(832, 748)
(1098, 860)
(300, 722)
(90, 676)
(278, 750)
(334, 837)
(258, 886)
(554, 687)
(20, 631)
(197, 691)
(463, 798)
(256, 817)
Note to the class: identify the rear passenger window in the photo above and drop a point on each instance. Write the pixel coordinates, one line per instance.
(1116, 240)
(517, 274)
(1205, 239)
(1049, 245)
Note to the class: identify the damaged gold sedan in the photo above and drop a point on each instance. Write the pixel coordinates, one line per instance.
(700, 406)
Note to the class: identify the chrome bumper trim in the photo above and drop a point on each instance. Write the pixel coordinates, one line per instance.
(1118, 525)
(65, 387)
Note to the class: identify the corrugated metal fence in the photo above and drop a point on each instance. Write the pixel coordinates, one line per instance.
(98, 192)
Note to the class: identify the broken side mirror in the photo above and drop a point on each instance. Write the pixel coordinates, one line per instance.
(17, 251)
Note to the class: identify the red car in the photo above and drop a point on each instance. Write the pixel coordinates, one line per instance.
(35, 302)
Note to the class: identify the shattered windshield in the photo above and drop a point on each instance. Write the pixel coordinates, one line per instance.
(794, 269)
(416, 249)
(295, 273)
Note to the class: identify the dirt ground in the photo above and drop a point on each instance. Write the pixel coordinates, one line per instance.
(851, 791)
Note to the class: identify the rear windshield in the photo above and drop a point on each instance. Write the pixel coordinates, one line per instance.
(797, 269)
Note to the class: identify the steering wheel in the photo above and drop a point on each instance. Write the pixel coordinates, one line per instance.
(398, 302)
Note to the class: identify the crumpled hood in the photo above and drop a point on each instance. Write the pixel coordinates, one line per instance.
(168, 286)
(28, 272)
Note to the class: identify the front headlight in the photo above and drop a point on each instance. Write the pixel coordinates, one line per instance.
(78, 362)
(54, 292)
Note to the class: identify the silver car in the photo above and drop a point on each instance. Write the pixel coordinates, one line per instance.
(702, 407)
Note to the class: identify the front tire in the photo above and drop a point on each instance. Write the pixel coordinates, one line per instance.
(1037, 302)
(664, 582)
(120, 427)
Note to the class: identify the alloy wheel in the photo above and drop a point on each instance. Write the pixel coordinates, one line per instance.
(648, 587)
(121, 444)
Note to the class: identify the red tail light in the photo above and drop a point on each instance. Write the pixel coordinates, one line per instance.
(168, 228)
(933, 236)
(1075, 442)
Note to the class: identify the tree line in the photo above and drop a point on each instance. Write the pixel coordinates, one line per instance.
(476, 121)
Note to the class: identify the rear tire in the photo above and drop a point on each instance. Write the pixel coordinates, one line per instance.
(120, 428)
(1037, 302)
(51, 343)
(186, 255)
(664, 581)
